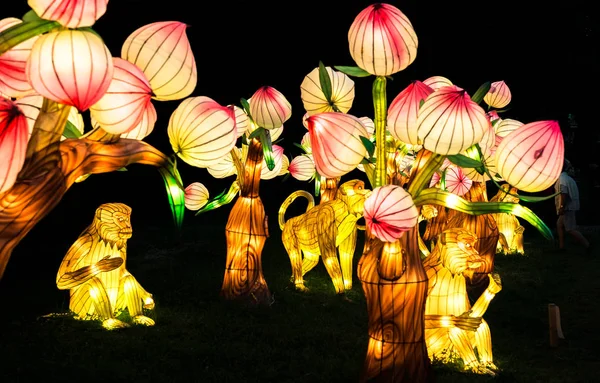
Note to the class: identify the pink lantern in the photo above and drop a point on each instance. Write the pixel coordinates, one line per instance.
(403, 111)
(70, 13)
(123, 105)
(449, 121)
(390, 211)
(162, 51)
(13, 142)
(269, 108)
(437, 82)
(13, 80)
(498, 96)
(71, 67)
(302, 168)
(531, 157)
(196, 196)
(456, 181)
(382, 40)
(242, 123)
(435, 179)
(145, 126)
(313, 98)
(201, 131)
(336, 145)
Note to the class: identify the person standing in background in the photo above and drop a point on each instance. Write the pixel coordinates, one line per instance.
(567, 204)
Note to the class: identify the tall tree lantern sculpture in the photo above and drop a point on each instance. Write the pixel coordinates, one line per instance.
(72, 68)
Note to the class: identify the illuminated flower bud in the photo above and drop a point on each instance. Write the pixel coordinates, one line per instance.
(403, 111)
(13, 142)
(449, 121)
(196, 196)
(389, 212)
(437, 82)
(145, 126)
(505, 127)
(498, 96)
(225, 167)
(201, 131)
(265, 173)
(313, 98)
(71, 67)
(269, 108)
(369, 125)
(162, 51)
(13, 79)
(382, 40)
(456, 181)
(70, 13)
(336, 145)
(531, 157)
(123, 105)
(241, 120)
(302, 168)
(305, 143)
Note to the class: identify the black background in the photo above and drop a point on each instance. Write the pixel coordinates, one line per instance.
(547, 55)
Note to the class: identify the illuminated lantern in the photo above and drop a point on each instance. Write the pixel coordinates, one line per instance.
(449, 121)
(201, 131)
(31, 104)
(196, 196)
(125, 102)
(313, 98)
(13, 80)
(276, 133)
(242, 123)
(145, 126)
(225, 167)
(305, 143)
(452, 326)
(456, 181)
(13, 142)
(437, 82)
(94, 271)
(336, 145)
(370, 126)
(505, 127)
(403, 111)
(269, 108)
(70, 13)
(162, 51)
(389, 212)
(302, 168)
(71, 67)
(382, 40)
(530, 158)
(285, 165)
(435, 179)
(265, 173)
(488, 148)
(498, 96)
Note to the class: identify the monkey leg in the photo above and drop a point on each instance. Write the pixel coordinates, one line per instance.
(330, 259)
(463, 346)
(290, 242)
(133, 296)
(483, 343)
(309, 261)
(346, 251)
(91, 299)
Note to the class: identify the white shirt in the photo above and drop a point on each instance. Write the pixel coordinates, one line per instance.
(567, 185)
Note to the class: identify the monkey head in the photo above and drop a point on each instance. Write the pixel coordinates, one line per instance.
(113, 223)
(458, 252)
(354, 194)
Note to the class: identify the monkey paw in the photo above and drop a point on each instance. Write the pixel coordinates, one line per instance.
(301, 287)
(143, 320)
(149, 303)
(113, 324)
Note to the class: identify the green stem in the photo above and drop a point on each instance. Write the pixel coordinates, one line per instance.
(423, 176)
(380, 104)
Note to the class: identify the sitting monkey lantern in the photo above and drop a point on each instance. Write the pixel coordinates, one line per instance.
(94, 271)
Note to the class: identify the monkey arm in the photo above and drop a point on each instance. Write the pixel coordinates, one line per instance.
(463, 322)
(482, 303)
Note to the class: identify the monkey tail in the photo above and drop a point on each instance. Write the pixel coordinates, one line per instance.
(288, 201)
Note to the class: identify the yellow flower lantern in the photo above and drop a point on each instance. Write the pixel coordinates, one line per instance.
(94, 272)
(242, 123)
(71, 67)
(389, 212)
(196, 196)
(313, 98)
(402, 113)
(382, 40)
(226, 166)
(505, 127)
(201, 131)
(125, 102)
(13, 142)
(370, 126)
(302, 168)
(335, 140)
(437, 82)
(449, 121)
(70, 13)
(530, 158)
(269, 108)
(13, 79)
(498, 96)
(162, 51)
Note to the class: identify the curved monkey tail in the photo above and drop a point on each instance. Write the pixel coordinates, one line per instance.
(288, 201)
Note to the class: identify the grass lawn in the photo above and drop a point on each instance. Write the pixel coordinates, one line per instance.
(303, 337)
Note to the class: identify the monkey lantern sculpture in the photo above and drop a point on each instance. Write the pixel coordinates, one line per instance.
(94, 271)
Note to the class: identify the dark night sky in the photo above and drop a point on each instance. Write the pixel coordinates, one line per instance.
(546, 54)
